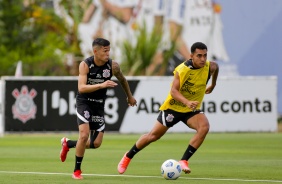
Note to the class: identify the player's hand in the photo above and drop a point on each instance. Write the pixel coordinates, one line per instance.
(131, 101)
(109, 84)
(192, 105)
(209, 89)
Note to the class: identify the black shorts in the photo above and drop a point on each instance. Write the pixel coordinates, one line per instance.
(92, 113)
(170, 117)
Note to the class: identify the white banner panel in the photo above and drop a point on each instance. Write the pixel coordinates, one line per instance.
(238, 104)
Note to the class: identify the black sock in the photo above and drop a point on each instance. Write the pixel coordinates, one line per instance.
(134, 150)
(78, 161)
(71, 144)
(189, 152)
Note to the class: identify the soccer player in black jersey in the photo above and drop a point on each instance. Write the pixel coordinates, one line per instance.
(94, 78)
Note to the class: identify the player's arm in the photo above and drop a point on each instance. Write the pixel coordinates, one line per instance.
(88, 13)
(119, 75)
(214, 69)
(175, 37)
(174, 91)
(82, 81)
(122, 14)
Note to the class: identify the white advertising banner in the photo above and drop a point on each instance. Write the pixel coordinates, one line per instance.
(237, 104)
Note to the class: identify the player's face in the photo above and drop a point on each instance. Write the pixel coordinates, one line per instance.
(199, 58)
(102, 53)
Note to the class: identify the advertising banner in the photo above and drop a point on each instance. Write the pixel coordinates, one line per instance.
(237, 104)
(40, 104)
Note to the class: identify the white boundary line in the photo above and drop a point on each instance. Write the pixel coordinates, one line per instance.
(135, 176)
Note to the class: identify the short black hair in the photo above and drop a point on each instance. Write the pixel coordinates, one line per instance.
(198, 45)
(100, 42)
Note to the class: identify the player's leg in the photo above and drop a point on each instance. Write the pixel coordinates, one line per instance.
(97, 127)
(80, 149)
(66, 145)
(95, 140)
(156, 133)
(200, 123)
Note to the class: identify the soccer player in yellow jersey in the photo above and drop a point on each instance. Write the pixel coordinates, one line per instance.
(183, 103)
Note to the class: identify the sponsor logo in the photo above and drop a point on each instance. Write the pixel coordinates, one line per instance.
(24, 108)
(106, 73)
(95, 81)
(86, 114)
(98, 119)
(175, 102)
(187, 87)
(95, 100)
(169, 118)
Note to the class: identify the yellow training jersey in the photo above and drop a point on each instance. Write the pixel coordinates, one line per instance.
(193, 84)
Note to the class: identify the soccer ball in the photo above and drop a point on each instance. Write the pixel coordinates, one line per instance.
(171, 169)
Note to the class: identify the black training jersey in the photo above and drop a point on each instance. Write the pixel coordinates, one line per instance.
(97, 75)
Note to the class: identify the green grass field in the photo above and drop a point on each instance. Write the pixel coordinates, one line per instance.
(224, 158)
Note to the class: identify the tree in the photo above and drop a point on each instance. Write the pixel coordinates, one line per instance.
(34, 35)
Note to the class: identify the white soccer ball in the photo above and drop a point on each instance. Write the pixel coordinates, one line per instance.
(171, 169)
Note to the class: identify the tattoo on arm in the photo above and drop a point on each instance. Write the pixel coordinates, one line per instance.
(214, 72)
(119, 75)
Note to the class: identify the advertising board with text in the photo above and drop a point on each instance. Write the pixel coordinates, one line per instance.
(237, 104)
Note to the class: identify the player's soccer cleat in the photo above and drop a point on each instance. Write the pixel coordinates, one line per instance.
(124, 162)
(184, 166)
(77, 175)
(65, 149)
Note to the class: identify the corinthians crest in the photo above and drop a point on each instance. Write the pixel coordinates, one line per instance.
(24, 108)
